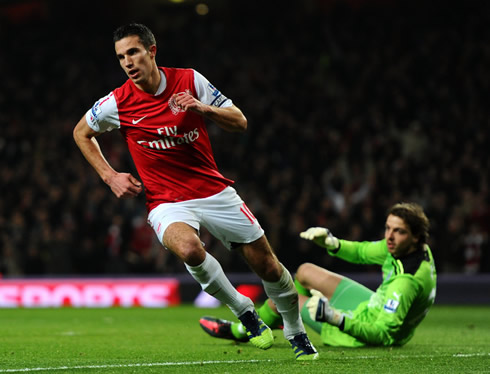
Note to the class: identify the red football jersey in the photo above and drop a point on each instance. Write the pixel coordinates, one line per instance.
(170, 147)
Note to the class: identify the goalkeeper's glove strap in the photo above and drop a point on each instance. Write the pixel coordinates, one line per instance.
(334, 251)
(342, 324)
(320, 311)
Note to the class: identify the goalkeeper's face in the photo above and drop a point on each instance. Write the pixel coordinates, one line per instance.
(399, 237)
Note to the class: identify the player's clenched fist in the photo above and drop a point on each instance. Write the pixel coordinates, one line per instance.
(322, 237)
(124, 185)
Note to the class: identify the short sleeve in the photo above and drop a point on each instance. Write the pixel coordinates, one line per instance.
(103, 116)
(208, 94)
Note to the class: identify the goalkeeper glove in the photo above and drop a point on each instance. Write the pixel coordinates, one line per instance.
(321, 311)
(322, 237)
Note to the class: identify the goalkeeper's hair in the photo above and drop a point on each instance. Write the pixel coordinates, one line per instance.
(144, 33)
(413, 215)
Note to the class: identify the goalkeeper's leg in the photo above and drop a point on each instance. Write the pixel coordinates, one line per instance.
(224, 329)
(310, 276)
(269, 313)
(308, 273)
(212, 279)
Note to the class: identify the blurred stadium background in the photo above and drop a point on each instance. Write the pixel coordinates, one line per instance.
(353, 105)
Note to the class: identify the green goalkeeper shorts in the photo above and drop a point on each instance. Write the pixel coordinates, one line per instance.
(347, 296)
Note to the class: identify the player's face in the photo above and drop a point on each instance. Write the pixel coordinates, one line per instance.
(136, 61)
(399, 237)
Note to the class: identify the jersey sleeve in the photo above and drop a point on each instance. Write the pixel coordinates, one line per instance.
(386, 326)
(103, 116)
(208, 94)
(367, 253)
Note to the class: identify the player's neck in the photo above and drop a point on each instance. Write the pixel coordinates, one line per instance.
(151, 85)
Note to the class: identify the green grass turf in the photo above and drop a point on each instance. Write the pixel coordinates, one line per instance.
(452, 339)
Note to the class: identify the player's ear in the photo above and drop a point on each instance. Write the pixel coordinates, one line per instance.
(415, 240)
(153, 50)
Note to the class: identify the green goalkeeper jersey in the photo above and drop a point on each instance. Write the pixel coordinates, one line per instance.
(399, 304)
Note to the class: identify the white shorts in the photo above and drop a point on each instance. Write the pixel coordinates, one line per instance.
(225, 215)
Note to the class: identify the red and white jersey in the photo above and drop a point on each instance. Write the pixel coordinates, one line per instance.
(170, 147)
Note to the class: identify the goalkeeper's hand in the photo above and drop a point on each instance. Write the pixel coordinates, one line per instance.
(321, 311)
(322, 237)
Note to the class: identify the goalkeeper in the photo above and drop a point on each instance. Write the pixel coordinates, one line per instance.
(346, 313)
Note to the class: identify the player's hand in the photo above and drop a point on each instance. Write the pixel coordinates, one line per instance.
(322, 237)
(321, 311)
(125, 186)
(186, 101)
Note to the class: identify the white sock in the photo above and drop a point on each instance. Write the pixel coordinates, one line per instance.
(285, 297)
(213, 280)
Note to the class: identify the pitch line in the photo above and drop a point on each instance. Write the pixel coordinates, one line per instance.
(116, 366)
(454, 355)
(59, 368)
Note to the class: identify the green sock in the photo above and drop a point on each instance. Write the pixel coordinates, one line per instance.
(238, 330)
(270, 318)
(301, 290)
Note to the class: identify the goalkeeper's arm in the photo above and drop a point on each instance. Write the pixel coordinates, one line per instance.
(322, 237)
(355, 252)
(320, 310)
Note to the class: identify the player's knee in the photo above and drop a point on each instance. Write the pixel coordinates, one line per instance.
(191, 252)
(304, 272)
(183, 241)
(194, 258)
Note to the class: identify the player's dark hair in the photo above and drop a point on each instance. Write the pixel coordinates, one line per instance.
(144, 33)
(414, 217)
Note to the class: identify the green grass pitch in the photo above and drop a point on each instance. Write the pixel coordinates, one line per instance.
(452, 339)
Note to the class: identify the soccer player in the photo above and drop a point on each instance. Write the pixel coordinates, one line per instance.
(161, 114)
(346, 313)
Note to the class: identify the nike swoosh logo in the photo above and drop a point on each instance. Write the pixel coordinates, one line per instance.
(136, 121)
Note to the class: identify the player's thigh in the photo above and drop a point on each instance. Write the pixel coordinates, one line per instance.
(312, 276)
(179, 234)
(161, 217)
(183, 240)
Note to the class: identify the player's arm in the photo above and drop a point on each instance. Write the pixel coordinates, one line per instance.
(123, 185)
(230, 118)
(210, 103)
